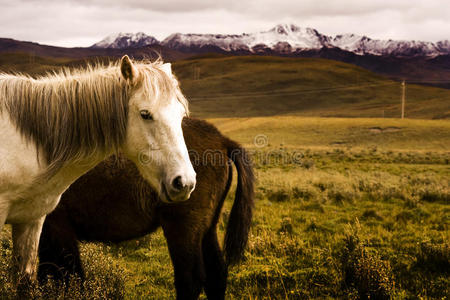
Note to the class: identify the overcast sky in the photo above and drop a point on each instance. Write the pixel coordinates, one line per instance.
(83, 22)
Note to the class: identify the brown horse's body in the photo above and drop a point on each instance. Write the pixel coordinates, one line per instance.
(113, 203)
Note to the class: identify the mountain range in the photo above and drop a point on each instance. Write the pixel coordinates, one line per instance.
(414, 61)
(283, 39)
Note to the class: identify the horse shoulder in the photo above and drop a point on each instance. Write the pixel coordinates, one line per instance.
(20, 194)
(18, 165)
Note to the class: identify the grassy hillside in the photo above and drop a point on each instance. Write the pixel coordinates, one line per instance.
(219, 86)
(36, 65)
(313, 132)
(266, 86)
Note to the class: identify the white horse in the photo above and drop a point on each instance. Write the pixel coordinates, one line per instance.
(55, 128)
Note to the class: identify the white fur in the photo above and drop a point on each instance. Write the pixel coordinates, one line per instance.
(161, 141)
(25, 201)
(167, 68)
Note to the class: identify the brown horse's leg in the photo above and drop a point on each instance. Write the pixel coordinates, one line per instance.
(186, 252)
(216, 269)
(59, 256)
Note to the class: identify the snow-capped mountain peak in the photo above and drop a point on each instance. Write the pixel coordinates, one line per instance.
(296, 37)
(126, 40)
(284, 39)
(292, 29)
(364, 45)
(285, 29)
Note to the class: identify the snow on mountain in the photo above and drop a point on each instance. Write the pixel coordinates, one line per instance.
(364, 45)
(126, 40)
(282, 39)
(225, 42)
(444, 46)
(287, 34)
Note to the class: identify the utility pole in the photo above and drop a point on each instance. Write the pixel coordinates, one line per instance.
(196, 72)
(31, 57)
(403, 98)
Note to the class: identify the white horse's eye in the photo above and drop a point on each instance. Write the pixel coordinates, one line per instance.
(146, 115)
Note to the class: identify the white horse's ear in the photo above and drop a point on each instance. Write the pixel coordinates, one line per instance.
(167, 68)
(127, 68)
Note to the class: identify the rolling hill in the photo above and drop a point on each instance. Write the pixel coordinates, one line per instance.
(11, 46)
(250, 86)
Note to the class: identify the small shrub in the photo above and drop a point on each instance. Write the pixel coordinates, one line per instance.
(339, 195)
(434, 257)
(104, 280)
(365, 272)
(278, 196)
(305, 193)
(313, 226)
(286, 226)
(434, 194)
(308, 163)
(371, 214)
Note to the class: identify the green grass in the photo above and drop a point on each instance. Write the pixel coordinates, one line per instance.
(364, 218)
(313, 132)
(105, 278)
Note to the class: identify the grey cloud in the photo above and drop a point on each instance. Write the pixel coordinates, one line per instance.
(83, 22)
(261, 7)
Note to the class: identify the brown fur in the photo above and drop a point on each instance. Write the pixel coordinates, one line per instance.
(106, 205)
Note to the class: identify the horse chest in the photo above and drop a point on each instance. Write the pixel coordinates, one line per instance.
(18, 165)
(33, 208)
(38, 199)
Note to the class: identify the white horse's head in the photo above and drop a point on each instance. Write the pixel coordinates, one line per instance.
(155, 139)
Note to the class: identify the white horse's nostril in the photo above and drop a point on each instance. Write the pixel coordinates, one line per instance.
(177, 183)
(180, 188)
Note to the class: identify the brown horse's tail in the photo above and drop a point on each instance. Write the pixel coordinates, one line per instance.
(239, 222)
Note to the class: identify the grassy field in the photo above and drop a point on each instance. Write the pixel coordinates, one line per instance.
(346, 208)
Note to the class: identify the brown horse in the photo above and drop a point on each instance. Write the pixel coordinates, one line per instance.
(113, 203)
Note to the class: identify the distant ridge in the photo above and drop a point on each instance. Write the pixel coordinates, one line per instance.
(150, 51)
(284, 39)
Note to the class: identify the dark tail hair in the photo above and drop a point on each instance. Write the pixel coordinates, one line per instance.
(239, 222)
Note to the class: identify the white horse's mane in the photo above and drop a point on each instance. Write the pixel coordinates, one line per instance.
(73, 113)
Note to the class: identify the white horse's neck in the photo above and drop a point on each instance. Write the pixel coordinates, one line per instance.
(21, 175)
(68, 117)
